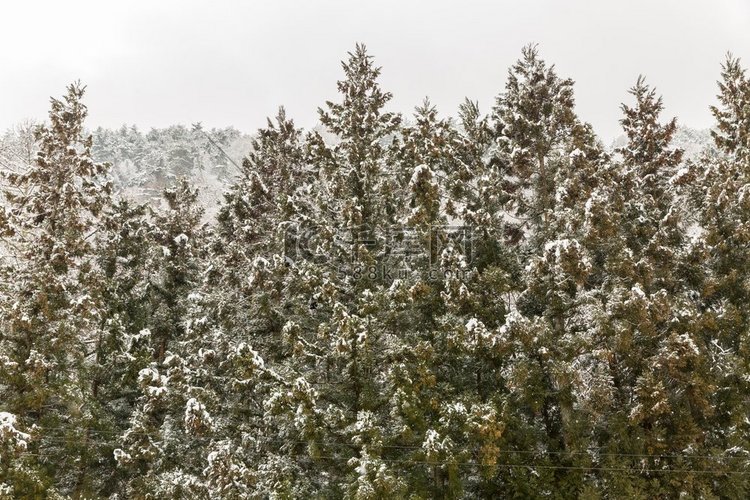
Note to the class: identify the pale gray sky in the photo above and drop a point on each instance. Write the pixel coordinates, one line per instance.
(156, 63)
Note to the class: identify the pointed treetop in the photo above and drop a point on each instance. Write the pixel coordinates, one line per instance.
(537, 107)
(648, 140)
(362, 100)
(732, 134)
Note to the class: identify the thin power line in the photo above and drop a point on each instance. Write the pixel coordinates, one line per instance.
(200, 129)
(413, 447)
(631, 470)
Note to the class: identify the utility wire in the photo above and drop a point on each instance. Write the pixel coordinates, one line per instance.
(589, 453)
(199, 128)
(631, 470)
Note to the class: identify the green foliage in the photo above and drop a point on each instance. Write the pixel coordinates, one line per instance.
(488, 307)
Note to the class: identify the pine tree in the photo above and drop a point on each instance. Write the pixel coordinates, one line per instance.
(236, 322)
(356, 205)
(19, 477)
(733, 118)
(721, 184)
(155, 452)
(532, 118)
(354, 170)
(176, 261)
(660, 383)
(51, 308)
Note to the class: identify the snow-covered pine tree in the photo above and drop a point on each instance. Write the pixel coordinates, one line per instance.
(353, 170)
(240, 333)
(732, 132)
(120, 349)
(251, 229)
(533, 118)
(175, 266)
(123, 251)
(157, 450)
(355, 201)
(550, 340)
(722, 276)
(657, 356)
(19, 476)
(51, 308)
(421, 158)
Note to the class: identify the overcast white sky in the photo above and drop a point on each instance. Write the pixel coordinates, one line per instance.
(156, 63)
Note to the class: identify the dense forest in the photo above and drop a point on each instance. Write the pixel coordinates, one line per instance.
(494, 305)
